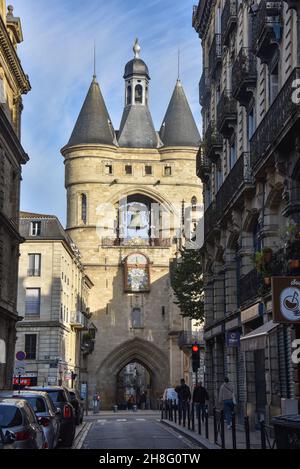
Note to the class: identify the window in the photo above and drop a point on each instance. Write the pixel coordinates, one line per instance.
(168, 171)
(35, 228)
(2, 351)
(2, 92)
(33, 302)
(232, 154)
(251, 123)
(136, 318)
(148, 170)
(129, 95)
(219, 177)
(30, 346)
(194, 203)
(273, 84)
(139, 94)
(84, 208)
(128, 169)
(34, 265)
(108, 169)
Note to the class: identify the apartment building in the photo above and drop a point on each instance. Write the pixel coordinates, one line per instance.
(250, 168)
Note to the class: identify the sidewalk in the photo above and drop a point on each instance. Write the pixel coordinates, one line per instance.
(255, 436)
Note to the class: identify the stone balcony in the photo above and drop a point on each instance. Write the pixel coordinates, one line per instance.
(267, 29)
(228, 20)
(244, 76)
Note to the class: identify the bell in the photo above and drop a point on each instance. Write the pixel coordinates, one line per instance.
(136, 222)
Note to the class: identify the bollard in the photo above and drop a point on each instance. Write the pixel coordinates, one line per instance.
(162, 409)
(206, 425)
(263, 435)
(233, 431)
(215, 425)
(175, 411)
(193, 417)
(199, 416)
(247, 432)
(222, 429)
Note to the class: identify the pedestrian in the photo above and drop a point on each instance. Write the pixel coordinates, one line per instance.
(143, 400)
(227, 400)
(184, 397)
(200, 396)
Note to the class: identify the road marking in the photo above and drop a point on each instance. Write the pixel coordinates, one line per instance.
(140, 420)
(79, 440)
(101, 421)
(121, 420)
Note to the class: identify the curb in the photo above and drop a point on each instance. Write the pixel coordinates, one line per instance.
(198, 439)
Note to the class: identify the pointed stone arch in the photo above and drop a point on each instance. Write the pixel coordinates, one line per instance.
(136, 189)
(135, 350)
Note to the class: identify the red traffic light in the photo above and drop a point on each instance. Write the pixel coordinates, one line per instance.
(195, 348)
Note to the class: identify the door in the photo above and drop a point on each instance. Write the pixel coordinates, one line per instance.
(260, 381)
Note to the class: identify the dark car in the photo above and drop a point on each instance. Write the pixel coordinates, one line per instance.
(18, 419)
(77, 403)
(62, 400)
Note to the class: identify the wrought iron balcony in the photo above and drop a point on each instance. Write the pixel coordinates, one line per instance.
(244, 75)
(142, 242)
(215, 55)
(204, 86)
(228, 20)
(213, 142)
(227, 114)
(188, 339)
(267, 29)
(249, 287)
(282, 116)
(236, 183)
(203, 165)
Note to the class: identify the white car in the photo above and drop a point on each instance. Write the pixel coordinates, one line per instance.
(170, 394)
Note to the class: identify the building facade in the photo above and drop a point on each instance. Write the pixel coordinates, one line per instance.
(249, 166)
(13, 84)
(53, 296)
(125, 190)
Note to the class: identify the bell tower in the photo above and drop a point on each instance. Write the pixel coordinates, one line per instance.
(137, 79)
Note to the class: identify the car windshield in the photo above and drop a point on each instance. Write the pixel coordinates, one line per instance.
(37, 403)
(10, 416)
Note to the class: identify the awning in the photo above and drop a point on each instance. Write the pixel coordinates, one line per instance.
(257, 339)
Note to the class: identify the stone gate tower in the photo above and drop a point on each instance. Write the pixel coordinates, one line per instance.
(138, 178)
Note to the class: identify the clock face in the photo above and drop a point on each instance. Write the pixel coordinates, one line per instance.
(137, 279)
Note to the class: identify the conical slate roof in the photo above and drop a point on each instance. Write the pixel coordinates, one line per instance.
(93, 125)
(179, 126)
(137, 129)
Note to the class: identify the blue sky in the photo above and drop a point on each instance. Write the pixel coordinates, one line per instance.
(57, 53)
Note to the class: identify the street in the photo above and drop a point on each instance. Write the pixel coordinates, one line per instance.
(126, 430)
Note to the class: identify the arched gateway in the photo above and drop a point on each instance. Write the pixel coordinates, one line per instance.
(140, 351)
(143, 176)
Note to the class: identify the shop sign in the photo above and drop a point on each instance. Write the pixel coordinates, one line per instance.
(233, 339)
(286, 300)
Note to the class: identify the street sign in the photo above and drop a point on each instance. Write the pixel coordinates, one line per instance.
(20, 356)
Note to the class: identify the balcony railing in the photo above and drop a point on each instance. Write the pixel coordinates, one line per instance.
(215, 54)
(34, 272)
(278, 121)
(229, 19)
(203, 165)
(244, 75)
(249, 286)
(213, 142)
(238, 180)
(267, 28)
(145, 242)
(204, 86)
(227, 113)
(187, 339)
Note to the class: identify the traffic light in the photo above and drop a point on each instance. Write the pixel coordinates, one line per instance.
(195, 357)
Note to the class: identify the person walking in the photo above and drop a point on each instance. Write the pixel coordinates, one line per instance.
(184, 397)
(200, 396)
(227, 400)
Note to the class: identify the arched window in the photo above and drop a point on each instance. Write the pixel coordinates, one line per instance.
(139, 94)
(84, 208)
(137, 275)
(129, 95)
(136, 318)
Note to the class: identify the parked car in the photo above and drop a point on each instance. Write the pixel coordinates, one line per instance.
(77, 403)
(48, 415)
(7, 439)
(62, 400)
(17, 417)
